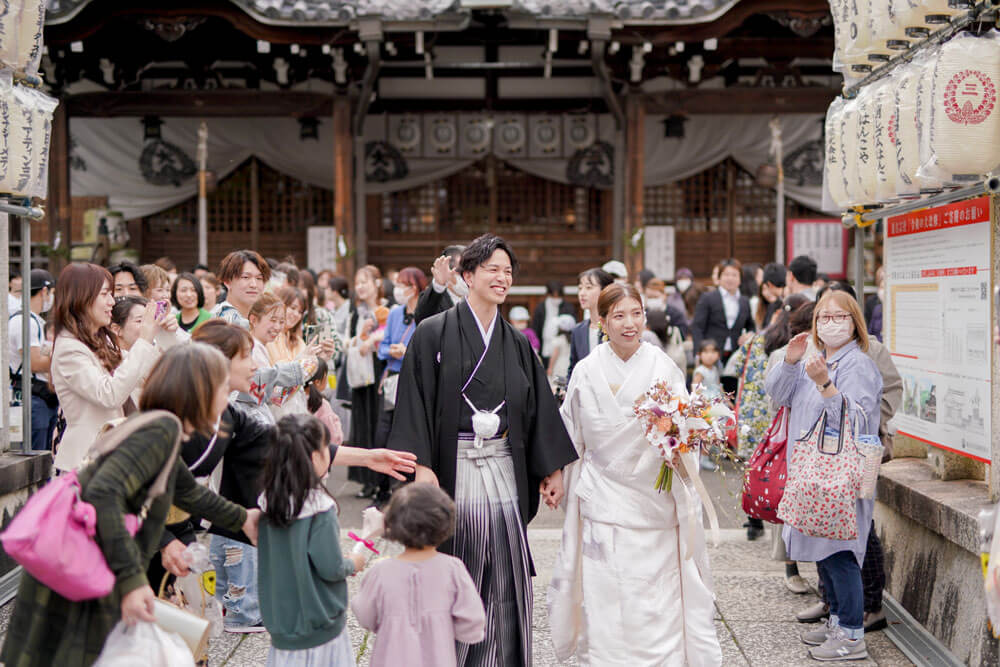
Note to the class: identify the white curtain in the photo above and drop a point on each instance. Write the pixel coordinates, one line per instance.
(106, 154)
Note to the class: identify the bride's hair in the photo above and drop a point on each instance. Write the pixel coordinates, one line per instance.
(614, 293)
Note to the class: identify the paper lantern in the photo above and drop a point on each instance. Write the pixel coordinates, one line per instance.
(925, 82)
(21, 143)
(30, 22)
(886, 25)
(865, 160)
(833, 159)
(849, 149)
(860, 45)
(886, 169)
(42, 128)
(940, 12)
(963, 131)
(907, 139)
(912, 15)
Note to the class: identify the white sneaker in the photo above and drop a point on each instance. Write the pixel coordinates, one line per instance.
(838, 647)
(796, 584)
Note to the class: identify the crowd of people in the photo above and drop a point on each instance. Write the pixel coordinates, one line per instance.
(457, 415)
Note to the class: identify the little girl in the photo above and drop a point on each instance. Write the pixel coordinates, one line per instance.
(421, 602)
(302, 573)
(707, 373)
(319, 407)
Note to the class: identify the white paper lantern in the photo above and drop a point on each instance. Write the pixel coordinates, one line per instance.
(886, 169)
(21, 144)
(925, 84)
(42, 127)
(940, 12)
(6, 114)
(963, 131)
(867, 178)
(849, 149)
(907, 138)
(29, 35)
(833, 160)
(913, 17)
(861, 47)
(886, 26)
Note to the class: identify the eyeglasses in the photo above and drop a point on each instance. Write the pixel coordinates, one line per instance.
(839, 318)
(252, 278)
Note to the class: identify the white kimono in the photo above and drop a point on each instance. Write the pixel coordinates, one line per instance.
(622, 592)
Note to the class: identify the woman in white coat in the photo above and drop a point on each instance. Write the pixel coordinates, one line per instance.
(88, 373)
(631, 585)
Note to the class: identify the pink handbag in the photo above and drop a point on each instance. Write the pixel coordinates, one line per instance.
(53, 536)
(824, 474)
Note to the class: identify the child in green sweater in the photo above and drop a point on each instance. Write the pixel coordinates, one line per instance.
(302, 576)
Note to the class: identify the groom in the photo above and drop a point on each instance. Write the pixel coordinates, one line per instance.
(475, 406)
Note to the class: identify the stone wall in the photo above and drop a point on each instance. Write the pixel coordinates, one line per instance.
(929, 532)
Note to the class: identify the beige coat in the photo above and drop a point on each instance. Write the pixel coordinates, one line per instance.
(90, 396)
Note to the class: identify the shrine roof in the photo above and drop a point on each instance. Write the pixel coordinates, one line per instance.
(306, 13)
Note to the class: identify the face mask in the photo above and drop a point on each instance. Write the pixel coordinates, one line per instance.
(683, 284)
(656, 304)
(401, 294)
(835, 335)
(50, 301)
(460, 288)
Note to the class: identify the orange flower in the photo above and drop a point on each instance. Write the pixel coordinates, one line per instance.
(664, 423)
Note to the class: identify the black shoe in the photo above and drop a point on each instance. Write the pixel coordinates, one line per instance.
(367, 491)
(381, 500)
(753, 532)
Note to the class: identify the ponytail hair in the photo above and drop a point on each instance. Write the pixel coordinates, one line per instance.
(315, 398)
(289, 476)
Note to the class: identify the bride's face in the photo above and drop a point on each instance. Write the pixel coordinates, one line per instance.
(624, 323)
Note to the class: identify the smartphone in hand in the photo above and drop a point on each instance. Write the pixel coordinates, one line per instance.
(161, 308)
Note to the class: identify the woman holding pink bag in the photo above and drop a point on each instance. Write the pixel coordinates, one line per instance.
(822, 377)
(188, 388)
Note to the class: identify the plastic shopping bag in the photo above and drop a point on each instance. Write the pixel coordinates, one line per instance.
(144, 644)
(196, 591)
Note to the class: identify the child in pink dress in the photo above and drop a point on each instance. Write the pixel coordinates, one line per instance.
(319, 407)
(421, 602)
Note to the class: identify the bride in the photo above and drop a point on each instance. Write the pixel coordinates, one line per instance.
(622, 591)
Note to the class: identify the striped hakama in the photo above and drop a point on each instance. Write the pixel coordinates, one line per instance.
(489, 539)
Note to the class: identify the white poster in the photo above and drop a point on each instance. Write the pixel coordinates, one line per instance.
(937, 324)
(660, 252)
(321, 248)
(825, 240)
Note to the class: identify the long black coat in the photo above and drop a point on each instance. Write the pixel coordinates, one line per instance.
(429, 397)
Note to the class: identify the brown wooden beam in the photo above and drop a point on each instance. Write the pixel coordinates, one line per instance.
(59, 205)
(742, 101)
(343, 178)
(635, 178)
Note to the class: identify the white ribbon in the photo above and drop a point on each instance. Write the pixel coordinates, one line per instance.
(689, 462)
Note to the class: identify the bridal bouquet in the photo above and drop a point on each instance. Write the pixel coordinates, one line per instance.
(677, 424)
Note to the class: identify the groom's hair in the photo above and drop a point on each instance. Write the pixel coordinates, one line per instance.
(480, 250)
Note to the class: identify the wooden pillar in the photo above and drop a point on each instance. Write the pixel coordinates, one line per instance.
(343, 179)
(635, 179)
(59, 205)
(254, 203)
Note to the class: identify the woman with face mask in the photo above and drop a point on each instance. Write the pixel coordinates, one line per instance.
(813, 379)
(399, 328)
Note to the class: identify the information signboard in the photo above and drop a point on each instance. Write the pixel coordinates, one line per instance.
(936, 323)
(823, 239)
(321, 248)
(659, 251)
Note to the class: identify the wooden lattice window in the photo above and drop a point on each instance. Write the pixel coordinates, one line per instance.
(709, 200)
(491, 195)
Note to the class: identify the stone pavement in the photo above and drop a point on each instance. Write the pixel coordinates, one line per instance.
(755, 612)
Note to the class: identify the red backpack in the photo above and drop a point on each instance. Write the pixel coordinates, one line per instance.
(767, 472)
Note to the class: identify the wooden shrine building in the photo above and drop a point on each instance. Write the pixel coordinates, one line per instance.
(566, 126)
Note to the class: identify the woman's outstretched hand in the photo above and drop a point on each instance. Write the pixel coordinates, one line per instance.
(393, 463)
(797, 348)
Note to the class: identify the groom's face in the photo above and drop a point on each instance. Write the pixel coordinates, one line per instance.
(493, 278)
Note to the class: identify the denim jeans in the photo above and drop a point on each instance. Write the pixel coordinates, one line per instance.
(43, 423)
(841, 577)
(236, 581)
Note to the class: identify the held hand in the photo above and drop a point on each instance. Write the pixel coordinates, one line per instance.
(149, 322)
(367, 326)
(251, 525)
(816, 369)
(552, 489)
(797, 348)
(168, 322)
(314, 350)
(138, 606)
(425, 474)
(365, 348)
(327, 347)
(397, 350)
(359, 562)
(440, 271)
(393, 463)
(172, 556)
